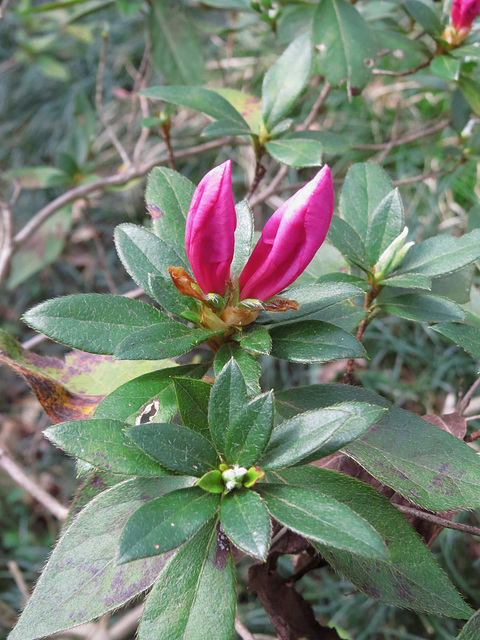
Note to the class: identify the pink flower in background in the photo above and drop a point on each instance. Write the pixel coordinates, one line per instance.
(464, 13)
(287, 245)
(210, 230)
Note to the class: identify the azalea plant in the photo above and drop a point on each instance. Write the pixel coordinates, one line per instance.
(194, 472)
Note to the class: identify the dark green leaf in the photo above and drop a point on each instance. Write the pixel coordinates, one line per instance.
(257, 339)
(313, 341)
(192, 399)
(168, 196)
(285, 81)
(457, 285)
(446, 67)
(344, 238)
(203, 100)
(386, 224)
(426, 14)
(248, 435)
(227, 399)
(471, 630)
(296, 152)
(410, 578)
(319, 433)
(345, 316)
(345, 43)
(104, 444)
(470, 89)
(165, 523)
(169, 297)
(464, 335)
(409, 281)
(442, 254)
(126, 401)
(249, 367)
(225, 128)
(176, 448)
(246, 522)
(243, 238)
(176, 50)
(163, 340)
(422, 307)
(330, 142)
(143, 253)
(192, 599)
(81, 581)
(323, 519)
(364, 188)
(93, 322)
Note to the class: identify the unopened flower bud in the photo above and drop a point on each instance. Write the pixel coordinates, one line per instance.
(392, 256)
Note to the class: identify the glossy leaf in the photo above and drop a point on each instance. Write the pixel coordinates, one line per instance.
(322, 519)
(246, 522)
(464, 335)
(165, 523)
(192, 398)
(257, 339)
(92, 322)
(410, 577)
(386, 224)
(316, 434)
(163, 340)
(227, 399)
(126, 402)
(249, 367)
(408, 281)
(345, 316)
(284, 82)
(104, 444)
(426, 14)
(192, 599)
(344, 238)
(243, 238)
(446, 67)
(296, 152)
(81, 580)
(176, 448)
(471, 630)
(313, 341)
(423, 307)
(247, 437)
(344, 42)
(169, 297)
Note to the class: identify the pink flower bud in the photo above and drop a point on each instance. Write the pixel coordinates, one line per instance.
(464, 13)
(210, 230)
(290, 239)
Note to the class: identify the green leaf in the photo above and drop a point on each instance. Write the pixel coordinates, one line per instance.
(422, 307)
(176, 50)
(344, 238)
(344, 42)
(165, 523)
(446, 67)
(285, 81)
(176, 448)
(440, 474)
(470, 89)
(464, 335)
(168, 196)
(204, 100)
(81, 581)
(426, 14)
(364, 188)
(330, 142)
(143, 253)
(192, 599)
(457, 285)
(471, 630)
(125, 402)
(227, 399)
(243, 238)
(409, 281)
(312, 298)
(92, 322)
(296, 152)
(386, 224)
(345, 316)
(410, 578)
(248, 435)
(323, 519)
(313, 341)
(163, 340)
(249, 367)
(256, 338)
(246, 522)
(319, 433)
(169, 297)
(192, 399)
(225, 128)
(442, 254)
(104, 444)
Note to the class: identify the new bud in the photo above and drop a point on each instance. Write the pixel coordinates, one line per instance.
(392, 256)
(462, 15)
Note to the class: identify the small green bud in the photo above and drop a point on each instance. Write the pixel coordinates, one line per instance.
(392, 256)
(233, 477)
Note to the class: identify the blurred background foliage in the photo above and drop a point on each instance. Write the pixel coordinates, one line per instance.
(70, 115)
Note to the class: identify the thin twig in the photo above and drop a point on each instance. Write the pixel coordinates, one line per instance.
(465, 401)
(32, 487)
(430, 175)
(3, 8)
(7, 244)
(127, 625)
(19, 580)
(242, 630)
(315, 110)
(400, 74)
(431, 517)
(410, 137)
(272, 187)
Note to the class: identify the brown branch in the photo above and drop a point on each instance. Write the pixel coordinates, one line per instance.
(19, 580)
(7, 245)
(400, 74)
(370, 296)
(3, 8)
(315, 110)
(431, 517)
(465, 400)
(430, 175)
(410, 137)
(242, 630)
(19, 476)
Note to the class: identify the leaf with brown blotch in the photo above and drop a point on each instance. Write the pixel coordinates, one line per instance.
(452, 423)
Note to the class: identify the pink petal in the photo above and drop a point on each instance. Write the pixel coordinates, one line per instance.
(464, 13)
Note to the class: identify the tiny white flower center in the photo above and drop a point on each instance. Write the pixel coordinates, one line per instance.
(233, 477)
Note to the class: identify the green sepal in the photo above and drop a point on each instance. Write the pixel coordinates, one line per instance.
(253, 475)
(212, 482)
